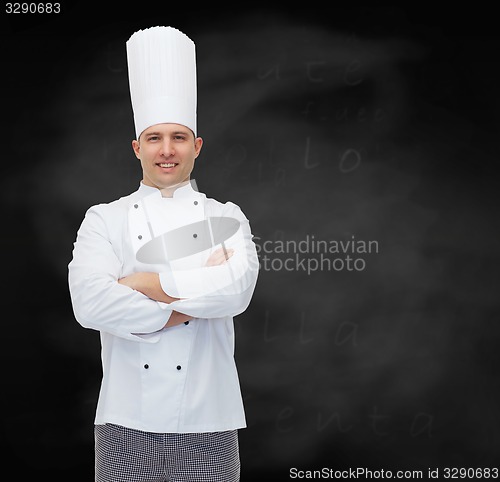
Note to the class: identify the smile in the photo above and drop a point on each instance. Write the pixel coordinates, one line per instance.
(167, 165)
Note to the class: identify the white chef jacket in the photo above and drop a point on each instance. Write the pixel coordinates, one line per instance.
(177, 379)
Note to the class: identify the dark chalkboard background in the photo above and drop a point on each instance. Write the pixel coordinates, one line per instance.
(326, 125)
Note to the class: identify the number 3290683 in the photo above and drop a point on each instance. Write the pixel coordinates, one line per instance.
(32, 7)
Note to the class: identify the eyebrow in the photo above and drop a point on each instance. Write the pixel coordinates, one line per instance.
(160, 133)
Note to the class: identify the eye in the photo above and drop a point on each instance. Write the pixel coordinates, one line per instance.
(153, 138)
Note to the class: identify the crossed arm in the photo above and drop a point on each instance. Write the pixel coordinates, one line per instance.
(148, 283)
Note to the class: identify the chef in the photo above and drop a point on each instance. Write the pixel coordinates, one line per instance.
(161, 273)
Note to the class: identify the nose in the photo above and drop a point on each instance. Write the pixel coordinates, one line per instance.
(167, 148)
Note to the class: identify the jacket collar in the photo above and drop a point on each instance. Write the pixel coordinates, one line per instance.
(185, 191)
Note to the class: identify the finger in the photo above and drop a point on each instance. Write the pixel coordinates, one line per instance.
(225, 254)
(228, 253)
(219, 257)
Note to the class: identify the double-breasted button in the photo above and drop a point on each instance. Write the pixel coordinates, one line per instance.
(146, 366)
(178, 367)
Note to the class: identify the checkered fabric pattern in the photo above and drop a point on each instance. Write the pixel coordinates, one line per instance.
(127, 455)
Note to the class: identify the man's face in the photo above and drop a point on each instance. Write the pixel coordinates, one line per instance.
(167, 153)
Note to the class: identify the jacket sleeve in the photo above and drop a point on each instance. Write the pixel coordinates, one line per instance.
(99, 301)
(218, 291)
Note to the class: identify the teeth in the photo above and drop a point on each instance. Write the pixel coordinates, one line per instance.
(170, 164)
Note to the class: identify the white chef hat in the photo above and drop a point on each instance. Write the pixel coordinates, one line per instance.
(162, 77)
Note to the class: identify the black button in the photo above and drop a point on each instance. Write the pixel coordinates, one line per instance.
(196, 203)
(195, 235)
(140, 236)
(178, 367)
(136, 206)
(186, 322)
(146, 366)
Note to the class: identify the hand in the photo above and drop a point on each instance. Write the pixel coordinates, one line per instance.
(133, 280)
(219, 256)
(177, 318)
(148, 284)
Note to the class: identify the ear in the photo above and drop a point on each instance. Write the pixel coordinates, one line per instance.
(137, 148)
(198, 143)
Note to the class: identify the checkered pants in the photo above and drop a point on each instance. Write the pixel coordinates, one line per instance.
(127, 455)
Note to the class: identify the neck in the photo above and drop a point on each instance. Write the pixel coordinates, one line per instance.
(168, 191)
